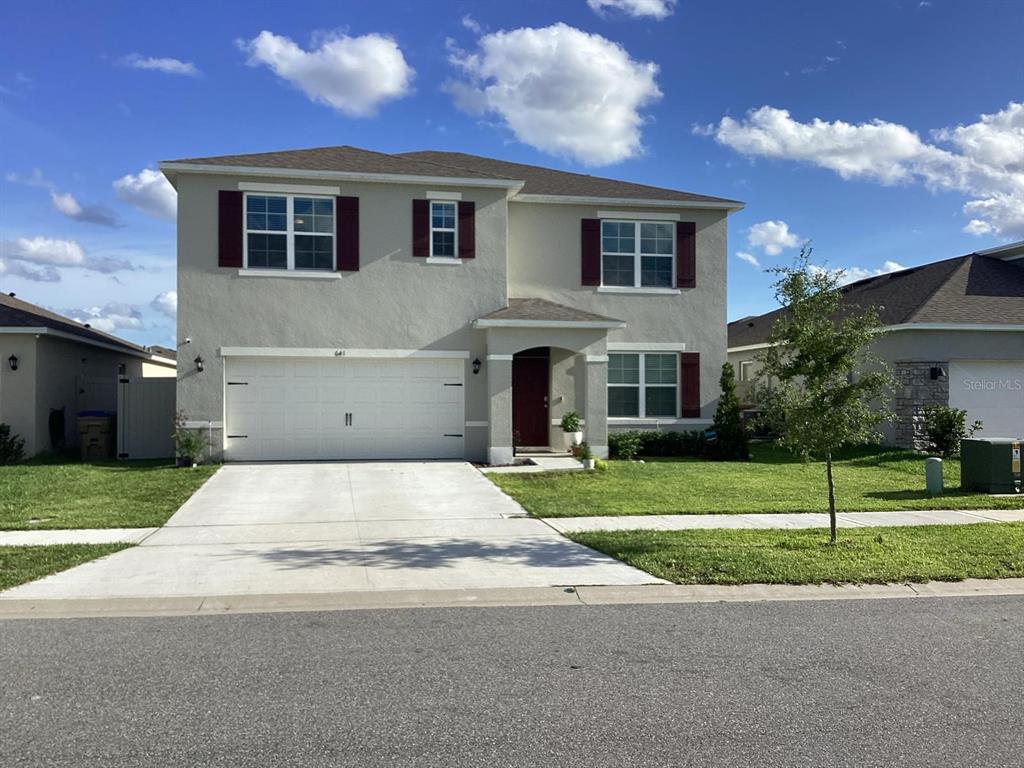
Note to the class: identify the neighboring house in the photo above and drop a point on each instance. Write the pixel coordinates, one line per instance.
(51, 364)
(355, 304)
(956, 337)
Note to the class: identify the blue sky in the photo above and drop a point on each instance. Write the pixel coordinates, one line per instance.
(917, 153)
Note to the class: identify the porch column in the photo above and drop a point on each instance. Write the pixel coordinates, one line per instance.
(596, 412)
(499, 391)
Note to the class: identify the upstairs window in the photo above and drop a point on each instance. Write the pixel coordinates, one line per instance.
(289, 232)
(643, 385)
(638, 254)
(443, 237)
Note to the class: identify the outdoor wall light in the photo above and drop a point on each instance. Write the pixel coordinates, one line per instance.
(13, 362)
(476, 366)
(199, 363)
(937, 372)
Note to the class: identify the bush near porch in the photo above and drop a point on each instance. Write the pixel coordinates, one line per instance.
(867, 479)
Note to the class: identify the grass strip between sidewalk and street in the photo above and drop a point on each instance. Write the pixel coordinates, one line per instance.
(22, 564)
(780, 556)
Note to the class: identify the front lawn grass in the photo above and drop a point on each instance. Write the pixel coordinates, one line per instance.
(21, 564)
(63, 494)
(804, 556)
(867, 479)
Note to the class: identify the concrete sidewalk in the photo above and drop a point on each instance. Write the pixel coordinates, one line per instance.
(782, 520)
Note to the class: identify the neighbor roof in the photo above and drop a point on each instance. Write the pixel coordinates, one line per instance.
(455, 165)
(542, 311)
(15, 313)
(971, 289)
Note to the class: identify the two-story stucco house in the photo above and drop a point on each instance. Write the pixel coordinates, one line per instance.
(349, 304)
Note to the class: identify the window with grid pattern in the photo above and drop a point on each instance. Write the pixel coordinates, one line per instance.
(643, 385)
(638, 254)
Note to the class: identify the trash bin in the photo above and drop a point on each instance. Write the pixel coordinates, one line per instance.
(990, 464)
(96, 435)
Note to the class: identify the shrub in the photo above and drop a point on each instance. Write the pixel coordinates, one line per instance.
(571, 422)
(624, 445)
(730, 433)
(12, 447)
(629, 445)
(188, 443)
(946, 427)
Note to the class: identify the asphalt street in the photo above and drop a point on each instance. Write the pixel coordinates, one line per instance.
(899, 682)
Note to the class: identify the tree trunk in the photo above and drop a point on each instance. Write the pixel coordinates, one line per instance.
(831, 500)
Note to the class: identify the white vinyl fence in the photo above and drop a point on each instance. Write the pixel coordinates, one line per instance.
(145, 418)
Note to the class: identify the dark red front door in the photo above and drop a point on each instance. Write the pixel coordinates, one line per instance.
(530, 397)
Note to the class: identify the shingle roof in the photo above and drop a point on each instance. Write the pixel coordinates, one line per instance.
(546, 311)
(548, 181)
(15, 313)
(430, 163)
(966, 289)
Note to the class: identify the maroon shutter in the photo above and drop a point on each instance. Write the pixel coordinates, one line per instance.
(421, 228)
(686, 254)
(346, 247)
(230, 226)
(467, 230)
(689, 383)
(590, 251)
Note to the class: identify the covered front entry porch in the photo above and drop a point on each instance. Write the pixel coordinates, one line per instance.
(544, 360)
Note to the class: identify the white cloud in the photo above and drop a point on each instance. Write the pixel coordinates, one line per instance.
(560, 90)
(472, 24)
(657, 9)
(40, 258)
(354, 75)
(978, 227)
(166, 303)
(110, 318)
(853, 274)
(772, 237)
(67, 204)
(984, 159)
(750, 258)
(150, 192)
(167, 65)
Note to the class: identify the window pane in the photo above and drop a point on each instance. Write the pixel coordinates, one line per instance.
(617, 237)
(256, 220)
(660, 369)
(256, 204)
(623, 369)
(444, 243)
(656, 271)
(442, 215)
(660, 401)
(313, 215)
(323, 207)
(623, 401)
(268, 251)
(277, 222)
(312, 252)
(617, 270)
(323, 223)
(277, 205)
(656, 238)
(303, 206)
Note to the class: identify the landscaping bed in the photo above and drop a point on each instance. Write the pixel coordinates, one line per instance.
(21, 564)
(867, 479)
(62, 494)
(862, 555)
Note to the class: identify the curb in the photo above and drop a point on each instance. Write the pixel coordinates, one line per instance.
(493, 598)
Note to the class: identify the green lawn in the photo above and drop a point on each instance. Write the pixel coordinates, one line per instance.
(21, 564)
(133, 494)
(862, 555)
(866, 480)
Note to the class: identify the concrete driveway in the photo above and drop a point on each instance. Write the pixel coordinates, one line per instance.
(329, 527)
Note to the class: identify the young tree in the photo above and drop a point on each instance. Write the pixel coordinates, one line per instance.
(827, 388)
(730, 434)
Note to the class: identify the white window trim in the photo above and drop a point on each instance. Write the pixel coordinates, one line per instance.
(745, 365)
(454, 230)
(289, 233)
(637, 256)
(314, 274)
(451, 261)
(642, 387)
(651, 290)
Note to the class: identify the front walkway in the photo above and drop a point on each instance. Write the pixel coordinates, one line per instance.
(781, 520)
(277, 529)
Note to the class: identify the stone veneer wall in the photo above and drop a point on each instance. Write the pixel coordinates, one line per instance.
(915, 390)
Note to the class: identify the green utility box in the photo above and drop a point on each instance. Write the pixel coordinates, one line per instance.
(990, 464)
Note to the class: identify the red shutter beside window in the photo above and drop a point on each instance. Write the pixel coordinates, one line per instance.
(590, 251)
(689, 383)
(686, 254)
(230, 226)
(421, 228)
(467, 230)
(346, 245)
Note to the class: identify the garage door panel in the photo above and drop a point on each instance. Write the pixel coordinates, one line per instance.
(295, 408)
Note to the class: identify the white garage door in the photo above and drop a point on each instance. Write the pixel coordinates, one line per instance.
(990, 390)
(294, 408)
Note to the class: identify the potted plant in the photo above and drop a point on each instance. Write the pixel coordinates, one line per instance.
(189, 444)
(571, 428)
(586, 456)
